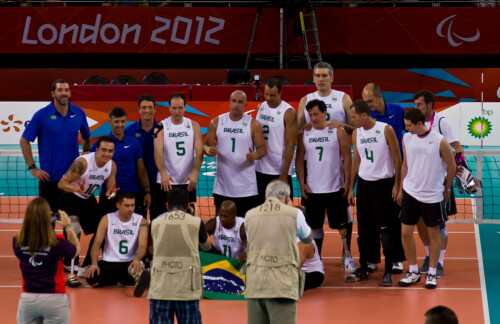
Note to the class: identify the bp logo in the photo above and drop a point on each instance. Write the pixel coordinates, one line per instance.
(479, 127)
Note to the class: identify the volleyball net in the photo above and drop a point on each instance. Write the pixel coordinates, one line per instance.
(18, 187)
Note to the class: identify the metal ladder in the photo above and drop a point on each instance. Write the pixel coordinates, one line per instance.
(309, 26)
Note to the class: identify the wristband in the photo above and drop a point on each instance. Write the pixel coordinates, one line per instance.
(66, 226)
(33, 166)
(148, 192)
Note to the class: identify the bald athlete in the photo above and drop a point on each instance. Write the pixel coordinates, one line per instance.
(229, 232)
(237, 141)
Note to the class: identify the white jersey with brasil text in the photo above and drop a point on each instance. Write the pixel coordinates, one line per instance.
(273, 127)
(178, 150)
(376, 160)
(228, 241)
(94, 176)
(324, 167)
(424, 179)
(122, 238)
(334, 107)
(235, 176)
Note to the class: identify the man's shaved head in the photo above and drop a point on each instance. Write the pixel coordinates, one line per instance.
(227, 214)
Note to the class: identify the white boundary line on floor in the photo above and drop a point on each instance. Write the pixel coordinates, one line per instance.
(340, 287)
(480, 264)
(397, 287)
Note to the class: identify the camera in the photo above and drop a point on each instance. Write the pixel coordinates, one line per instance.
(55, 217)
(191, 208)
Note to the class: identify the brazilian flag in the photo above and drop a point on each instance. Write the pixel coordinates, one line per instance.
(221, 276)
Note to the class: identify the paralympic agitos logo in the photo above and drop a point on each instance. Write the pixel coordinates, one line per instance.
(453, 38)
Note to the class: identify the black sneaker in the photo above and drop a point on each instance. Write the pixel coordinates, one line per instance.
(357, 275)
(387, 279)
(73, 282)
(142, 283)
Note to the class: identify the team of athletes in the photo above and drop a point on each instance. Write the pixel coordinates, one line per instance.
(135, 167)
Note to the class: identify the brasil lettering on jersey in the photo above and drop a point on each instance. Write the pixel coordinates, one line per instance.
(223, 237)
(319, 139)
(368, 140)
(267, 118)
(178, 134)
(96, 177)
(233, 130)
(123, 232)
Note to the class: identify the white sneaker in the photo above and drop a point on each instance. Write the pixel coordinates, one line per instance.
(410, 278)
(349, 264)
(431, 282)
(82, 272)
(397, 267)
(372, 267)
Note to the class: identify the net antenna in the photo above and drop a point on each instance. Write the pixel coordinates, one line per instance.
(482, 108)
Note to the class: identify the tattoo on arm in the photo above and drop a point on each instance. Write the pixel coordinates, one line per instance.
(76, 167)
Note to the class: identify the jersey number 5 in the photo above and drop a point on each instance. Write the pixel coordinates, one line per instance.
(180, 150)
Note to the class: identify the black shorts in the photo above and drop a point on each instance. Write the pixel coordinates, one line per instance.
(411, 210)
(50, 192)
(374, 203)
(112, 273)
(243, 204)
(335, 206)
(87, 210)
(159, 199)
(264, 179)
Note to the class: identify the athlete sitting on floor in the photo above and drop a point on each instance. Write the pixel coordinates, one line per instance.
(229, 232)
(125, 237)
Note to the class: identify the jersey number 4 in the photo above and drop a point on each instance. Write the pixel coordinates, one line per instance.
(369, 157)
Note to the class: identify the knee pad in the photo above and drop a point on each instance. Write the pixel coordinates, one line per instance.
(318, 233)
(442, 230)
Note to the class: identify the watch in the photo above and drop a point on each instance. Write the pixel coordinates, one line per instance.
(33, 166)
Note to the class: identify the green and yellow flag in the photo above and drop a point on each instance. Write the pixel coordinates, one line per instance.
(221, 276)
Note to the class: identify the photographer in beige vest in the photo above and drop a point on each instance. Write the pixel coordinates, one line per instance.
(274, 281)
(176, 280)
